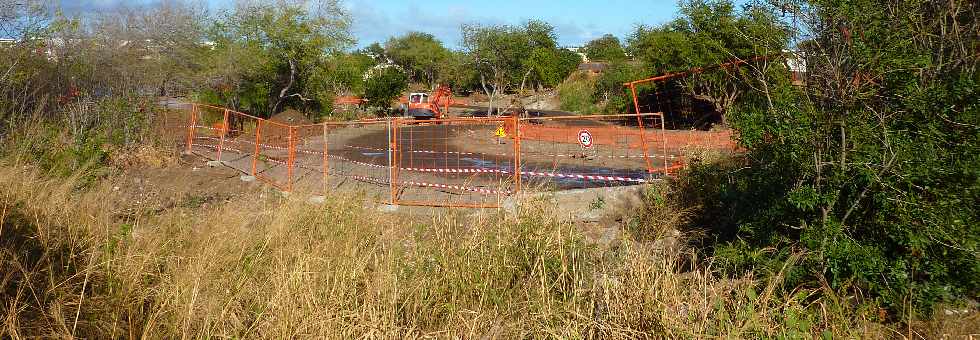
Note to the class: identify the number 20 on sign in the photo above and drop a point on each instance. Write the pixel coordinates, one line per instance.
(585, 139)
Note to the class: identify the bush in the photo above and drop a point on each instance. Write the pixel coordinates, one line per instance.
(610, 90)
(877, 184)
(576, 93)
(384, 86)
(89, 132)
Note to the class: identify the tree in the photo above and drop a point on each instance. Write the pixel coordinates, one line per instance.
(550, 66)
(497, 53)
(421, 54)
(606, 48)
(345, 72)
(711, 32)
(868, 171)
(458, 73)
(271, 54)
(383, 86)
(502, 54)
(609, 86)
(376, 52)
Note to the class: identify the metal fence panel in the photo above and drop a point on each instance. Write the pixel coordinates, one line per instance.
(460, 162)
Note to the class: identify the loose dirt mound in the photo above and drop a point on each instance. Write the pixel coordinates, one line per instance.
(291, 117)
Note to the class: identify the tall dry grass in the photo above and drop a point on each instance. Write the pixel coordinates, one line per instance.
(89, 263)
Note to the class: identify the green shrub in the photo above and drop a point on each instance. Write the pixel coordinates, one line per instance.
(610, 89)
(576, 93)
(384, 86)
(877, 185)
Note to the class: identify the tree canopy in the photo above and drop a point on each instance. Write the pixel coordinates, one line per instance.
(867, 172)
(420, 54)
(711, 33)
(507, 58)
(265, 55)
(383, 85)
(606, 48)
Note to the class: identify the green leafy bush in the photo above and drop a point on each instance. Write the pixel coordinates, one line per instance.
(871, 169)
(384, 86)
(609, 86)
(576, 93)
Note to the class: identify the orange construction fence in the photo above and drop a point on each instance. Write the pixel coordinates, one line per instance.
(457, 162)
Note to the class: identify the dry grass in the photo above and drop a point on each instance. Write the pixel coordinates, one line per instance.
(89, 264)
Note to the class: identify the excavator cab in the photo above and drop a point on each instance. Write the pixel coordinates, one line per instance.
(418, 98)
(420, 106)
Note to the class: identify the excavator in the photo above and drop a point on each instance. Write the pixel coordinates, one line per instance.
(423, 106)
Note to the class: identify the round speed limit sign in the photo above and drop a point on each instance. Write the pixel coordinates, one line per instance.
(585, 139)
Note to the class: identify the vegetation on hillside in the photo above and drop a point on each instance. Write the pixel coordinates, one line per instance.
(871, 168)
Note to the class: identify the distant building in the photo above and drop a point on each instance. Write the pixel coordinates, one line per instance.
(796, 63)
(578, 50)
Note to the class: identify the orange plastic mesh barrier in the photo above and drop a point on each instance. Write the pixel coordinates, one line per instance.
(589, 151)
(460, 162)
(454, 162)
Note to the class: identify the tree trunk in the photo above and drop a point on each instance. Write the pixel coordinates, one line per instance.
(282, 94)
(490, 95)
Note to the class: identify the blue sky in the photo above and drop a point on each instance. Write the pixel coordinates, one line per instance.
(375, 20)
(576, 21)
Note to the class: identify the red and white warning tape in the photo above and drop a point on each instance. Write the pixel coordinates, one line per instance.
(510, 155)
(471, 170)
(216, 147)
(205, 127)
(267, 146)
(588, 177)
(436, 170)
(432, 185)
(367, 179)
(457, 170)
(457, 187)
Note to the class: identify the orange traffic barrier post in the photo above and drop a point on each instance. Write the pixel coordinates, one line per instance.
(258, 142)
(291, 159)
(663, 141)
(643, 139)
(190, 128)
(224, 132)
(326, 161)
(517, 154)
(395, 160)
(391, 162)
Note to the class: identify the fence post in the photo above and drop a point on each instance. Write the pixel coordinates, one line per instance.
(326, 161)
(393, 159)
(391, 182)
(190, 129)
(258, 139)
(663, 139)
(517, 154)
(292, 158)
(643, 137)
(224, 131)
